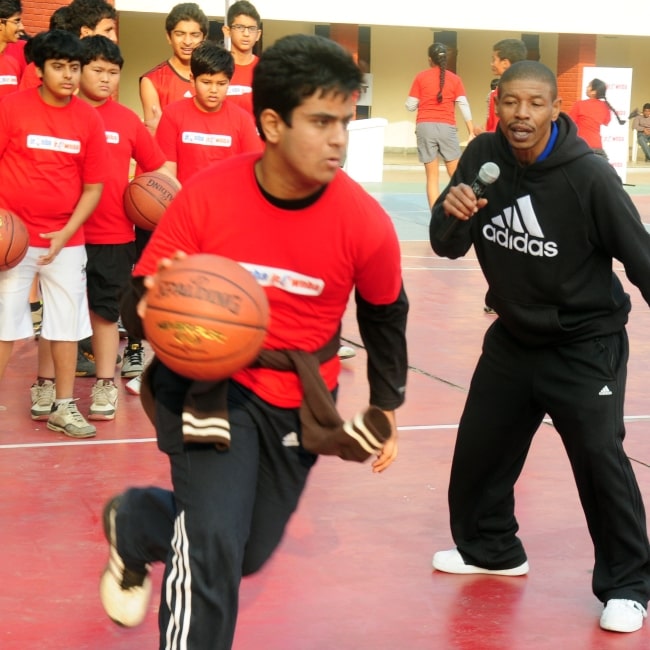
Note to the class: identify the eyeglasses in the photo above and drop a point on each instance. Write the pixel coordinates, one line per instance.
(15, 21)
(245, 28)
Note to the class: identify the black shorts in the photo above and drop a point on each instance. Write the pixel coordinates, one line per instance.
(108, 271)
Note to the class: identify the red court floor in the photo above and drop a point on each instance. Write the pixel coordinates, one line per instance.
(354, 570)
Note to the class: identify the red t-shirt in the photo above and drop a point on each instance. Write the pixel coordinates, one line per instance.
(17, 50)
(127, 138)
(589, 115)
(308, 260)
(425, 88)
(169, 84)
(193, 139)
(47, 154)
(492, 117)
(29, 78)
(240, 90)
(9, 74)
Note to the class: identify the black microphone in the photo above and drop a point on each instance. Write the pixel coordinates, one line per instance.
(487, 174)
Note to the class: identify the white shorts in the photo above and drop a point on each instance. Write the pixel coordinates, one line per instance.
(63, 286)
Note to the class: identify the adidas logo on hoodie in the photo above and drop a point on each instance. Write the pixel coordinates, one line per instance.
(518, 230)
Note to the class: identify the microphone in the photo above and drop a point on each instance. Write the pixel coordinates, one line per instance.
(487, 174)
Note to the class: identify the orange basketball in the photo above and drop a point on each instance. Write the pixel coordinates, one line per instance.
(14, 239)
(206, 317)
(147, 197)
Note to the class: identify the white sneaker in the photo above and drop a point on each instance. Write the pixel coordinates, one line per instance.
(134, 386)
(451, 561)
(66, 418)
(124, 593)
(133, 363)
(104, 401)
(621, 615)
(43, 396)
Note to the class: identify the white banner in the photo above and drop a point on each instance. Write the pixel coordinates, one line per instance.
(615, 136)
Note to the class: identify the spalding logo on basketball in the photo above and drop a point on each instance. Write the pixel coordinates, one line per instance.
(147, 197)
(206, 317)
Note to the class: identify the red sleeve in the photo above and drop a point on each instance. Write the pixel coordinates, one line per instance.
(250, 139)
(96, 148)
(492, 117)
(146, 151)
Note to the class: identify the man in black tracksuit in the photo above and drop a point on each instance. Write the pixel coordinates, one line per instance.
(545, 234)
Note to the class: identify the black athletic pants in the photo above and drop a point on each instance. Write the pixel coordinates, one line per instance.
(227, 513)
(581, 386)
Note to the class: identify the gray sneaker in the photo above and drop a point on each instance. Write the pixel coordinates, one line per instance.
(43, 396)
(133, 363)
(104, 401)
(66, 418)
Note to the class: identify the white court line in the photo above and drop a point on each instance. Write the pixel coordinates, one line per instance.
(132, 441)
(77, 443)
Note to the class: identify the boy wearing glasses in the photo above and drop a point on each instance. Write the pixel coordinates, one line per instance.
(244, 29)
(11, 27)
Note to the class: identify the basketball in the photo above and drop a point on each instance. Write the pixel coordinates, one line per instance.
(14, 239)
(147, 197)
(206, 317)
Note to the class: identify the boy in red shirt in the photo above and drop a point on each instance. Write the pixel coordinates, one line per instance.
(110, 238)
(186, 27)
(244, 29)
(52, 160)
(11, 27)
(197, 131)
(311, 236)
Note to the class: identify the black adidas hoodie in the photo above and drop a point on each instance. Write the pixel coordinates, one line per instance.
(546, 239)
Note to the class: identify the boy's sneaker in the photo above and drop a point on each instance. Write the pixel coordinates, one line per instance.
(133, 363)
(43, 396)
(65, 417)
(451, 561)
(104, 401)
(134, 386)
(124, 593)
(621, 615)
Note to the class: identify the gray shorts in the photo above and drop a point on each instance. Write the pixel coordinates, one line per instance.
(436, 138)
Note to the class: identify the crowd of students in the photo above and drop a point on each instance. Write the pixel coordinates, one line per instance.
(75, 65)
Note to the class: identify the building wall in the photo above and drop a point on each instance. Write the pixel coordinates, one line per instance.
(397, 55)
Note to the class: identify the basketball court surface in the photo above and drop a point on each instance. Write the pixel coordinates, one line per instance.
(354, 569)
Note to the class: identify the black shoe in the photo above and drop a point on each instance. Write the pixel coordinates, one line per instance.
(85, 364)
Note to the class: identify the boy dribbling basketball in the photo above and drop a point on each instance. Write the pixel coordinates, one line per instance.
(311, 236)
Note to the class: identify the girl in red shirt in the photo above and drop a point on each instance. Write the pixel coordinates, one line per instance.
(592, 113)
